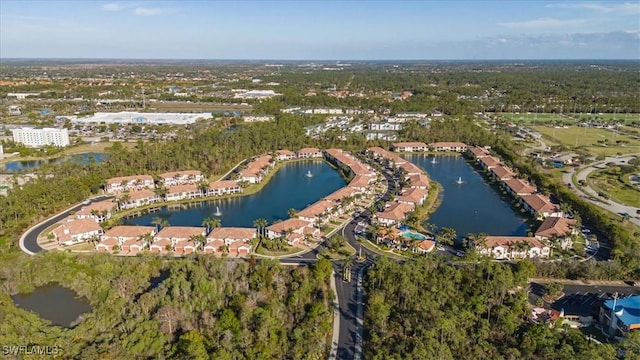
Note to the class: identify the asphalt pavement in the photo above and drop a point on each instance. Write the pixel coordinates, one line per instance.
(29, 240)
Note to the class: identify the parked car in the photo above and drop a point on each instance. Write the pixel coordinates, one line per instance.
(460, 253)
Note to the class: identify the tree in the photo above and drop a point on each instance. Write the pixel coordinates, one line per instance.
(210, 223)
(157, 221)
(260, 224)
(447, 236)
(292, 212)
(553, 288)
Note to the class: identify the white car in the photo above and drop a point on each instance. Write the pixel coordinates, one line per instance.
(441, 248)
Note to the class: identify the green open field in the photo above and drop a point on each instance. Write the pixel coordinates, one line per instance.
(589, 137)
(532, 117)
(615, 183)
(628, 118)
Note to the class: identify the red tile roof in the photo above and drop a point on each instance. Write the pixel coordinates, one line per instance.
(223, 184)
(106, 205)
(119, 180)
(293, 223)
(129, 231)
(448, 144)
(556, 226)
(539, 203)
(409, 144)
(479, 152)
(232, 233)
(172, 174)
(503, 172)
(179, 232)
(520, 186)
(510, 241)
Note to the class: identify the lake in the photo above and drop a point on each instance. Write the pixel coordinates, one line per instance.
(83, 158)
(472, 206)
(54, 303)
(288, 188)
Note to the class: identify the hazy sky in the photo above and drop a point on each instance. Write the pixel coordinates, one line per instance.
(320, 29)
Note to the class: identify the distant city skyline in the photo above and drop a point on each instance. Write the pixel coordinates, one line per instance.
(321, 30)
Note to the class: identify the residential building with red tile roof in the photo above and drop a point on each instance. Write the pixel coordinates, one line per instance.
(559, 228)
(539, 206)
(223, 187)
(502, 173)
(394, 214)
(360, 183)
(478, 152)
(239, 248)
(519, 187)
(179, 233)
(425, 246)
(186, 247)
(410, 147)
(232, 234)
(306, 153)
(119, 234)
(74, 231)
(413, 196)
(489, 162)
(123, 183)
(182, 192)
(181, 177)
(214, 246)
(514, 247)
(318, 212)
(449, 146)
(137, 198)
(256, 169)
(341, 193)
(285, 155)
(280, 228)
(411, 169)
(99, 211)
(420, 181)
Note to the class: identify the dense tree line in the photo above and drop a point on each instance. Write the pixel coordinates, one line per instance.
(425, 309)
(205, 308)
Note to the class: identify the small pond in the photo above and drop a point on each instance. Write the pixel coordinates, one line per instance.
(55, 303)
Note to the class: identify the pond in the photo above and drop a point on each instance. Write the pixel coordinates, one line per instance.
(289, 188)
(469, 203)
(55, 303)
(84, 158)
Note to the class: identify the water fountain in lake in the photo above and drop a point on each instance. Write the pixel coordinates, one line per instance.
(309, 174)
(459, 181)
(218, 212)
(433, 160)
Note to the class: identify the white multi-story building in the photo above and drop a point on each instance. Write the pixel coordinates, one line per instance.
(41, 137)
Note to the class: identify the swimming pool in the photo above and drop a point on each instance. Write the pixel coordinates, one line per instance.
(413, 235)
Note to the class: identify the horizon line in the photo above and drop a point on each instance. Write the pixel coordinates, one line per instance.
(313, 60)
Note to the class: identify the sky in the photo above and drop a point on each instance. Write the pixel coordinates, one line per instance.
(321, 30)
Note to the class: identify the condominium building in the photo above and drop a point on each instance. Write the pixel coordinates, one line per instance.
(41, 137)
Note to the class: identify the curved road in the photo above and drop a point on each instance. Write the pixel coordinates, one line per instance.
(349, 294)
(29, 240)
(592, 196)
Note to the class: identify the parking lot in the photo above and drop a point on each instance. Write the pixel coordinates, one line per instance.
(583, 300)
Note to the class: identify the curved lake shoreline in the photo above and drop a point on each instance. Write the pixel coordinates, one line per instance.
(472, 206)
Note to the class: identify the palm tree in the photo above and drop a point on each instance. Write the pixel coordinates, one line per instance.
(260, 224)
(208, 222)
(147, 240)
(203, 186)
(199, 240)
(447, 236)
(124, 199)
(156, 221)
(292, 212)
(215, 223)
(164, 223)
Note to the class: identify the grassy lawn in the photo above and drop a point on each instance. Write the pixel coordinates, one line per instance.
(286, 251)
(80, 247)
(628, 118)
(589, 137)
(531, 117)
(344, 252)
(373, 247)
(616, 184)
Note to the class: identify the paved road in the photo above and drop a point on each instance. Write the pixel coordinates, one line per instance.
(592, 196)
(29, 240)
